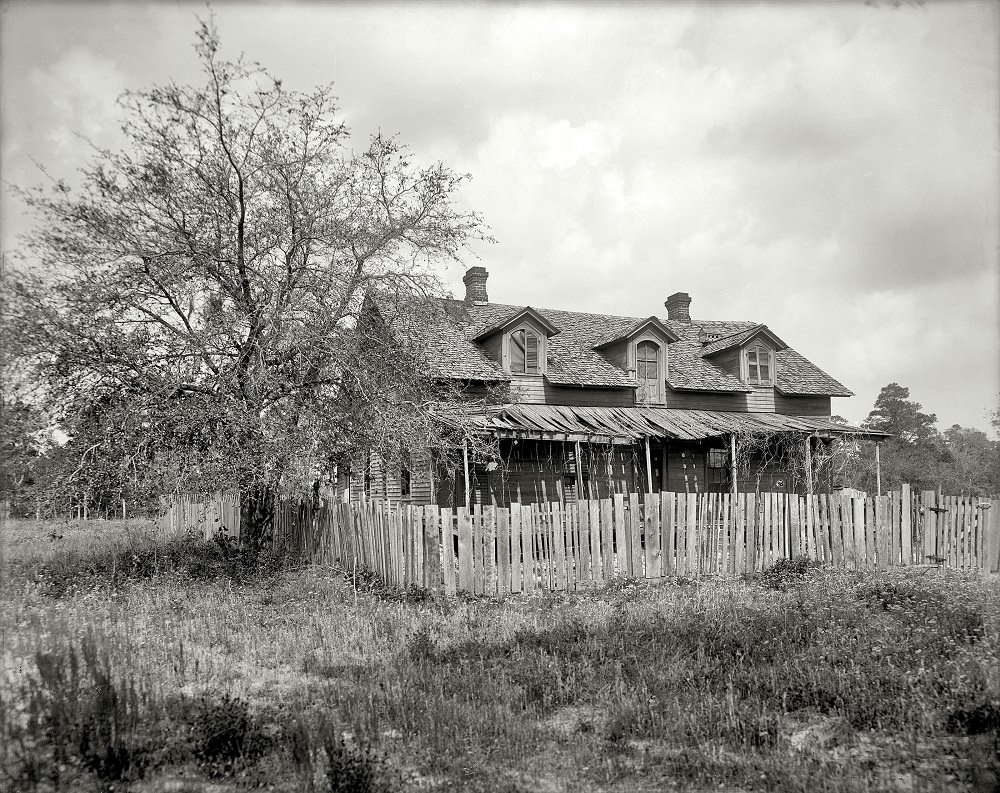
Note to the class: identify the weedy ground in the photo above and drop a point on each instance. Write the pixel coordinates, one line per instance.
(134, 663)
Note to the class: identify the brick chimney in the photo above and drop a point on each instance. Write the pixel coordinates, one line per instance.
(679, 307)
(475, 285)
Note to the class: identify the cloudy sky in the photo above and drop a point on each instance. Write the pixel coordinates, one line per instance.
(830, 170)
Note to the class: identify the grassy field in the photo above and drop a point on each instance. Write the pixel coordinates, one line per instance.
(130, 664)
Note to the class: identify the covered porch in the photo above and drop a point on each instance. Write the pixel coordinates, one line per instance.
(550, 453)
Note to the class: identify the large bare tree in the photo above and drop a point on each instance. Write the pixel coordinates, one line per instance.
(199, 296)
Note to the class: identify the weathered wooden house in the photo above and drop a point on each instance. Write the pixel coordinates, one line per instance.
(596, 404)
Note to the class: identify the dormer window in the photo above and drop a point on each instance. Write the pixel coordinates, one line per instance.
(758, 365)
(647, 358)
(647, 370)
(526, 351)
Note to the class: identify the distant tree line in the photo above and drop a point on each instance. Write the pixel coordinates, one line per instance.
(959, 461)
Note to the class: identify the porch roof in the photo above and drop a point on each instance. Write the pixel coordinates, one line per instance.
(629, 424)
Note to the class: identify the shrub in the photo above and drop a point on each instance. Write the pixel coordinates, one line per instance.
(980, 719)
(220, 733)
(141, 558)
(366, 581)
(78, 715)
(354, 770)
(786, 572)
(347, 768)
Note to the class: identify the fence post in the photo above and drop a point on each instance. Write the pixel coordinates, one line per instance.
(559, 547)
(861, 529)
(928, 515)
(993, 537)
(906, 526)
(667, 567)
(432, 548)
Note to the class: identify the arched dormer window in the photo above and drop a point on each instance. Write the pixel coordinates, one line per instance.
(526, 350)
(647, 370)
(759, 365)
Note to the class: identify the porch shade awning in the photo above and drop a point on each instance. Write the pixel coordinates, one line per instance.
(630, 424)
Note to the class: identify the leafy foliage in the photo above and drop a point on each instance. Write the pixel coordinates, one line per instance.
(78, 714)
(959, 461)
(195, 308)
(109, 567)
(787, 572)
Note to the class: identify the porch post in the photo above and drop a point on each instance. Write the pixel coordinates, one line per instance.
(579, 471)
(649, 468)
(732, 462)
(878, 469)
(465, 459)
(809, 465)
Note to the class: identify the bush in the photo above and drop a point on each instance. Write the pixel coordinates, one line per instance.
(787, 572)
(219, 733)
(78, 716)
(138, 558)
(366, 581)
(347, 768)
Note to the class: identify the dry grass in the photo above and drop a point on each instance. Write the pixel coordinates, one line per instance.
(828, 681)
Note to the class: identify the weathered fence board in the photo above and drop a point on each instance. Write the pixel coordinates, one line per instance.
(493, 551)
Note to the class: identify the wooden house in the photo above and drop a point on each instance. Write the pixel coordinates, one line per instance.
(596, 404)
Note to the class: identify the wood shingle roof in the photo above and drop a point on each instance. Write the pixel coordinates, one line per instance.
(572, 359)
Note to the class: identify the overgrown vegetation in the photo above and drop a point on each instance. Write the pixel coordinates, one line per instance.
(324, 680)
(136, 558)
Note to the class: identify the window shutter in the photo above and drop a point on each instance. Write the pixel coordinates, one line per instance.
(517, 351)
(531, 353)
(765, 366)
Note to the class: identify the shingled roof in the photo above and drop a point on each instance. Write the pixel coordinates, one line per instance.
(573, 360)
(736, 339)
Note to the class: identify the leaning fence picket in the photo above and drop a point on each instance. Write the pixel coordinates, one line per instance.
(522, 548)
(906, 528)
(607, 539)
(667, 545)
(465, 541)
(749, 530)
(503, 551)
(651, 532)
(928, 525)
(970, 522)
(993, 537)
(594, 536)
(691, 520)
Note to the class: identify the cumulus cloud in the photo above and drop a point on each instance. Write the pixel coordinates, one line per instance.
(829, 169)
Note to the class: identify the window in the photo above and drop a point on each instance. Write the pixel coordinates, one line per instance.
(759, 368)
(647, 370)
(525, 352)
(404, 477)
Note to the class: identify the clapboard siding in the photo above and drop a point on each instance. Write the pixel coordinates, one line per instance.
(686, 471)
(527, 389)
(761, 399)
(700, 400)
(802, 405)
(421, 486)
(589, 397)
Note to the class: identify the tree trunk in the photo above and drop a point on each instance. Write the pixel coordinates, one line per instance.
(257, 517)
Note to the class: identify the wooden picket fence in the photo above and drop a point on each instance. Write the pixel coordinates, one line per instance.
(206, 516)
(543, 547)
